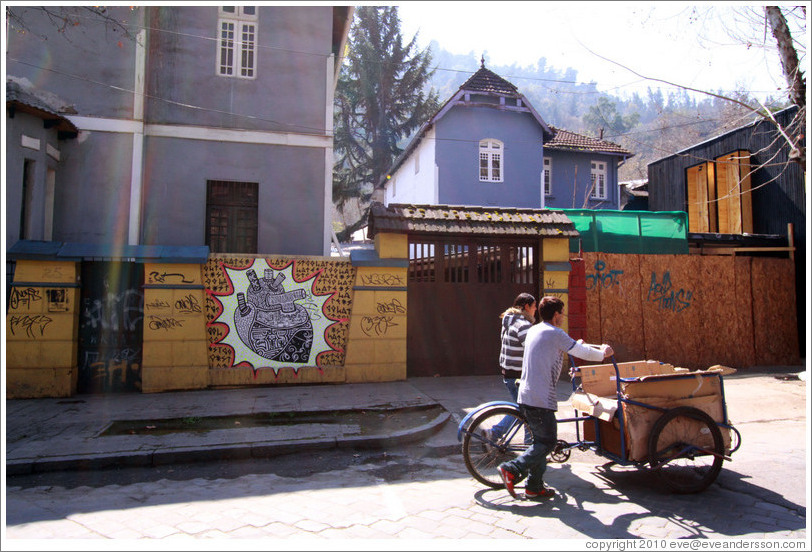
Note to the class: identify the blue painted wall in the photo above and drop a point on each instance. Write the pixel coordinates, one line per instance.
(458, 136)
(575, 168)
(95, 70)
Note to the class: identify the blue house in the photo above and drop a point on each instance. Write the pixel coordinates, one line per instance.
(488, 146)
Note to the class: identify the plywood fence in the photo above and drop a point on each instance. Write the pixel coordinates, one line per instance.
(693, 311)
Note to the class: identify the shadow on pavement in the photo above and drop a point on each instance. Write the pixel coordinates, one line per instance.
(705, 515)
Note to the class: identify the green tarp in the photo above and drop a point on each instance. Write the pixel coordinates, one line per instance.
(640, 232)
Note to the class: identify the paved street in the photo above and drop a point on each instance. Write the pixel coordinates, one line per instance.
(400, 497)
(405, 493)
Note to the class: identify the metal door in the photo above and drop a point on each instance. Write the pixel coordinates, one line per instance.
(457, 288)
(111, 327)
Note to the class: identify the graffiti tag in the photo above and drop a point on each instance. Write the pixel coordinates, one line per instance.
(188, 304)
(377, 325)
(161, 323)
(665, 296)
(392, 307)
(601, 277)
(23, 297)
(159, 277)
(381, 280)
(32, 325)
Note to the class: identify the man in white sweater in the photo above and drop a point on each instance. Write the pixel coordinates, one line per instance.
(544, 348)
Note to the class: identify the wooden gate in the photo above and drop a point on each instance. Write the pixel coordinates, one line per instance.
(457, 287)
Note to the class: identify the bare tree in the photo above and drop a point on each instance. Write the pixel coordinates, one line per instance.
(65, 18)
(794, 76)
(774, 20)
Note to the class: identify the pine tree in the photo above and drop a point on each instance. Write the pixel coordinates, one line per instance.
(383, 95)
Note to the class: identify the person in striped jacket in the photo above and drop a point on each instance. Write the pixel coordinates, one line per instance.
(516, 320)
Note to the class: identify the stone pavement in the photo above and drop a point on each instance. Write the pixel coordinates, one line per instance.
(760, 494)
(438, 501)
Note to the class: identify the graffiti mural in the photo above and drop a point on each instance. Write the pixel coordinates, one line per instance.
(267, 317)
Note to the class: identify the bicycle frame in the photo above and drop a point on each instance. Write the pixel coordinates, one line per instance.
(468, 417)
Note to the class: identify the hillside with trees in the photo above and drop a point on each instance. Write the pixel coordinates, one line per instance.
(653, 126)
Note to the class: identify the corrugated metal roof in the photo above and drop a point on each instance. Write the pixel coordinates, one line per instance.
(469, 220)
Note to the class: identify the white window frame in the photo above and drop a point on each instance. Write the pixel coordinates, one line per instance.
(598, 173)
(237, 50)
(491, 152)
(548, 176)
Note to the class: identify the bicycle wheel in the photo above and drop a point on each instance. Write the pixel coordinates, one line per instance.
(686, 449)
(482, 456)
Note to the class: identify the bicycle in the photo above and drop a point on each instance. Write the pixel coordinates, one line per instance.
(482, 451)
(682, 444)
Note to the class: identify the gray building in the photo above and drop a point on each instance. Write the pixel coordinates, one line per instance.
(173, 126)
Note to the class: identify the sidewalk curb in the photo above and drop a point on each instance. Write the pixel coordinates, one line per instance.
(177, 455)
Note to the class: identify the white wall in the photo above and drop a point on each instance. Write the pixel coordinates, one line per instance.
(408, 186)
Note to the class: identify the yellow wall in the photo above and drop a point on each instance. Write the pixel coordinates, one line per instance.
(42, 330)
(376, 350)
(555, 277)
(175, 347)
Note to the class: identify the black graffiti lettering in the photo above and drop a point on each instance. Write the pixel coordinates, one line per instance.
(161, 323)
(23, 297)
(392, 307)
(32, 325)
(158, 304)
(381, 280)
(188, 304)
(377, 325)
(161, 278)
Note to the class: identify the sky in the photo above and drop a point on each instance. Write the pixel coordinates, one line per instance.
(687, 44)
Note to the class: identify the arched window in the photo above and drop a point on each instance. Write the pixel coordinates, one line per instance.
(491, 160)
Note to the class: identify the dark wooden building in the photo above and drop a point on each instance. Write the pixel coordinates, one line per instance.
(743, 195)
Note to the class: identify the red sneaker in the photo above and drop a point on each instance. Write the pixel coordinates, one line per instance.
(509, 480)
(545, 492)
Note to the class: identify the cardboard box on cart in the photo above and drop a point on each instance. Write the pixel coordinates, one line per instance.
(650, 382)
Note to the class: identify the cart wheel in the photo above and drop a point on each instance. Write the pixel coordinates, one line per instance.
(483, 454)
(735, 439)
(686, 449)
(561, 452)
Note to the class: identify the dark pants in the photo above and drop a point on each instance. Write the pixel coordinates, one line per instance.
(533, 463)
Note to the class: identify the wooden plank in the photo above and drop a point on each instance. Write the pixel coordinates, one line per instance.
(670, 317)
(713, 205)
(593, 300)
(746, 195)
(621, 314)
(697, 200)
(743, 318)
(727, 179)
(775, 325)
(715, 295)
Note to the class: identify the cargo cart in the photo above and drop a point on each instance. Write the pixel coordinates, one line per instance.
(646, 414)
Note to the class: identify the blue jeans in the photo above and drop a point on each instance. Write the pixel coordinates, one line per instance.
(533, 463)
(512, 385)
